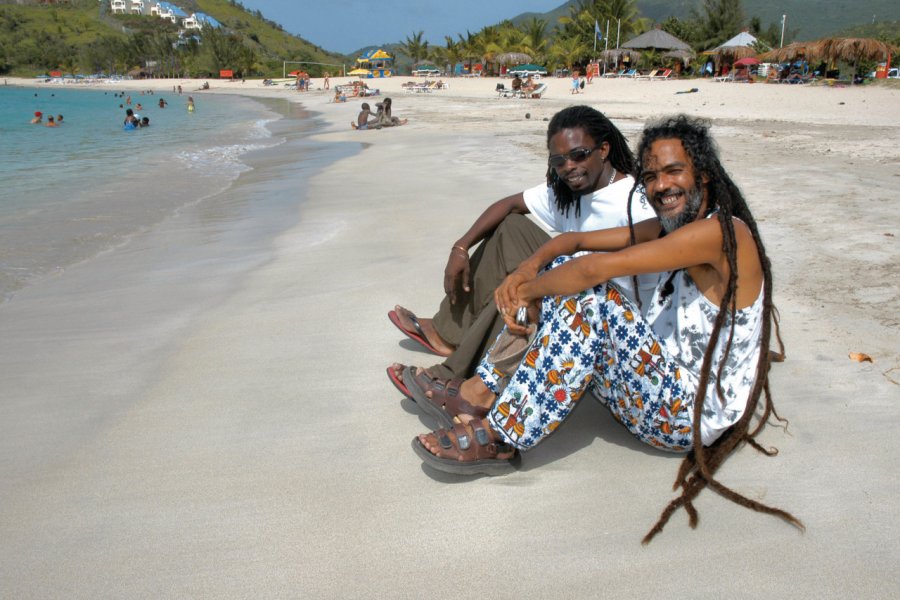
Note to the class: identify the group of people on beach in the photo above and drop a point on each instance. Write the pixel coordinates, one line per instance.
(382, 118)
(655, 298)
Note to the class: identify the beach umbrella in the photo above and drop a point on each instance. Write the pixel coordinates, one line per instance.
(616, 54)
(529, 67)
(656, 39)
(740, 46)
(512, 58)
(746, 62)
(359, 72)
(684, 56)
(852, 49)
(789, 53)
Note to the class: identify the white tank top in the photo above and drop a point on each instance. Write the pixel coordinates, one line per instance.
(683, 321)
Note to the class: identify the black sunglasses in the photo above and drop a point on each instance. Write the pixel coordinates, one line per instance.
(577, 155)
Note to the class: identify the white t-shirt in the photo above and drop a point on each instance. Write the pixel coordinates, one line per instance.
(603, 209)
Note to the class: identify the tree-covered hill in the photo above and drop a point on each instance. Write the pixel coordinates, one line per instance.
(81, 36)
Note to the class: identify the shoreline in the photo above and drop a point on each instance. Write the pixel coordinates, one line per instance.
(261, 447)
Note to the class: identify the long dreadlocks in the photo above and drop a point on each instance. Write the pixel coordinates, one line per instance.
(601, 129)
(725, 199)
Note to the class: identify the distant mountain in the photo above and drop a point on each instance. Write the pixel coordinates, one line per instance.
(811, 19)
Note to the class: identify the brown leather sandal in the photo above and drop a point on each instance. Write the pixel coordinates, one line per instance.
(445, 402)
(467, 449)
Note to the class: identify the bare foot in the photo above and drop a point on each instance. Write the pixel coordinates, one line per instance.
(405, 317)
(354, 125)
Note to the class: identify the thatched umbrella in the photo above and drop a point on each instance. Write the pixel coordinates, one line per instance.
(740, 46)
(684, 56)
(790, 53)
(656, 39)
(852, 50)
(615, 55)
(513, 58)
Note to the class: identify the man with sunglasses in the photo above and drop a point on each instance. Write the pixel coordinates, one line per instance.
(588, 180)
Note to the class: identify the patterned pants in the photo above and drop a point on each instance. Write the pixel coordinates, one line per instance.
(596, 338)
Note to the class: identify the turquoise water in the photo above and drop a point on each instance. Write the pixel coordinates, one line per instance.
(72, 192)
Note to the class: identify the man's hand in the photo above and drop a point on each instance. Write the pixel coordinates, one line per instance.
(456, 273)
(509, 298)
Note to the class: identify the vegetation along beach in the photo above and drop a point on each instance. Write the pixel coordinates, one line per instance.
(193, 331)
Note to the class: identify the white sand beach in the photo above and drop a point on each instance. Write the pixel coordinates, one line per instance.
(242, 440)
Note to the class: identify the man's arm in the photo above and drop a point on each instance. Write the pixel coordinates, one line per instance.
(566, 244)
(456, 273)
(698, 243)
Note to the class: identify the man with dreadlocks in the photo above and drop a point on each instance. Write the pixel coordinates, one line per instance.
(589, 177)
(687, 377)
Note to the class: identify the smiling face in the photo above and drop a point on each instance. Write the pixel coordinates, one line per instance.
(672, 187)
(585, 176)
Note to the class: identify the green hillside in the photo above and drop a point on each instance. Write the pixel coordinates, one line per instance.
(810, 19)
(80, 36)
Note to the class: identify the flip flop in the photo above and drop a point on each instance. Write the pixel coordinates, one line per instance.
(445, 403)
(418, 335)
(398, 383)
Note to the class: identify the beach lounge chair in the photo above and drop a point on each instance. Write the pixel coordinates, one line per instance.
(505, 92)
(615, 74)
(537, 92)
(630, 74)
(725, 78)
(664, 74)
(648, 76)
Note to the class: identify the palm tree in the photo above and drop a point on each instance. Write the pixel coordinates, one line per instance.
(414, 47)
(471, 47)
(721, 19)
(535, 40)
(570, 50)
(452, 53)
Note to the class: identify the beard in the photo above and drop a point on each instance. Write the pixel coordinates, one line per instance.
(694, 197)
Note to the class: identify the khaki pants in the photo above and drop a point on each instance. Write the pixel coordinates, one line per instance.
(472, 324)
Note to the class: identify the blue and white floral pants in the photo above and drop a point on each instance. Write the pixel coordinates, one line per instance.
(596, 338)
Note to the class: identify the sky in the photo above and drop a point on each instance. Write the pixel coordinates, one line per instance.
(347, 25)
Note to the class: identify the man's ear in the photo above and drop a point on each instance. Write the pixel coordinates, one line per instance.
(604, 150)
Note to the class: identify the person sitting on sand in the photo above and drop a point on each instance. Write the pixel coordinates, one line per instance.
(362, 119)
(690, 377)
(588, 180)
(529, 85)
(516, 83)
(339, 95)
(384, 117)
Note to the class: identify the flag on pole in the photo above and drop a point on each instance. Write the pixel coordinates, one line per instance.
(597, 34)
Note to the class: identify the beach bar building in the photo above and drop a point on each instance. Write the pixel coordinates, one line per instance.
(378, 63)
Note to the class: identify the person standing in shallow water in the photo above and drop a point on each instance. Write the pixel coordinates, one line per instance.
(588, 178)
(690, 376)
